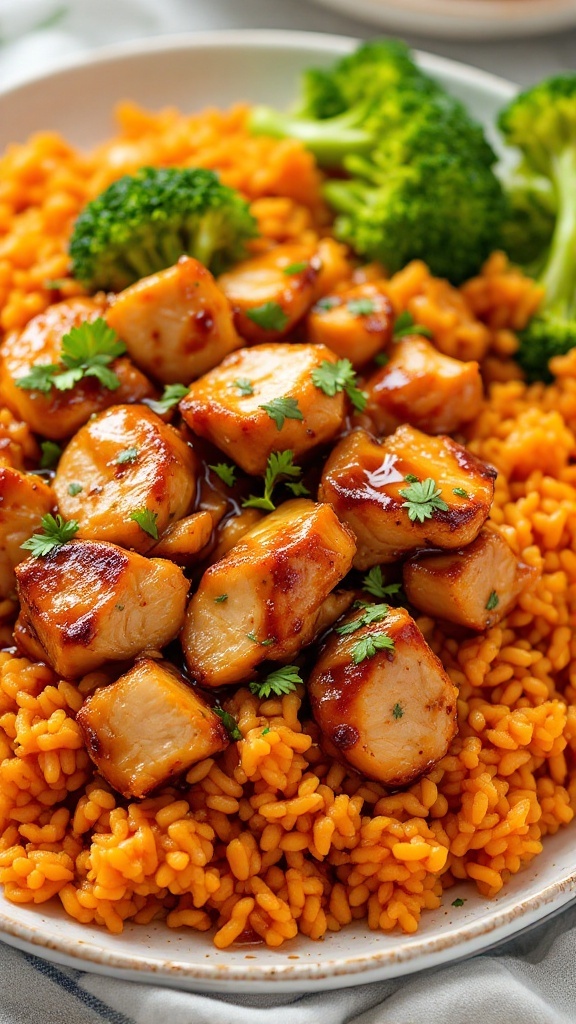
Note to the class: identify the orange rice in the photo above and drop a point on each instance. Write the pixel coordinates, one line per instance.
(273, 838)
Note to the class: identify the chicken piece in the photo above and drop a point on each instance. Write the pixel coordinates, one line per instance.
(392, 716)
(18, 446)
(226, 406)
(147, 726)
(233, 529)
(475, 586)
(59, 414)
(176, 324)
(422, 387)
(355, 322)
(124, 460)
(24, 499)
(184, 541)
(272, 292)
(265, 599)
(87, 603)
(363, 480)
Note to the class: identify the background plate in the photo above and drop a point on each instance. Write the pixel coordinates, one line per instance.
(462, 19)
(192, 72)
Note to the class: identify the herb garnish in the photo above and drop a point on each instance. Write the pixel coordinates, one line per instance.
(422, 500)
(146, 521)
(361, 307)
(382, 359)
(404, 324)
(74, 489)
(493, 601)
(128, 455)
(244, 386)
(51, 452)
(172, 394)
(369, 645)
(280, 409)
(295, 268)
(229, 723)
(87, 351)
(280, 466)
(373, 583)
(299, 490)
(220, 599)
(372, 613)
(280, 681)
(225, 472)
(270, 316)
(56, 532)
(339, 376)
(458, 902)
(397, 711)
(460, 492)
(328, 302)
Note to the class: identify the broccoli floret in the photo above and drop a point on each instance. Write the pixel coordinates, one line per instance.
(529, 223)
(541, 123)
(145, 222)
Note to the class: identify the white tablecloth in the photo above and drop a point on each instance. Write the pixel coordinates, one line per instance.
(531, 980)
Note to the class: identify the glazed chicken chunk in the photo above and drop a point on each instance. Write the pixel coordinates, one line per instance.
(176, 324)
(410, 491)
(24, 499)
(387, 711)
(267, 598)
(87, 603)
(475, 587)
(355, 322)
(124, 460)
(147, 726)
(58, 414)
(422, 387)
(262, 400)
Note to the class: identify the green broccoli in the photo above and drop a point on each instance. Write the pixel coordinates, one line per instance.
(529, 223)
(145, 222)
(419, 181)
(541, 123)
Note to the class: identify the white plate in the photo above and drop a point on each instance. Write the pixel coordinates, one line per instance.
(462, 19)
(218, 69)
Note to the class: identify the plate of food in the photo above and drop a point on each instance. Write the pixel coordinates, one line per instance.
(473, 19)
(286, 680)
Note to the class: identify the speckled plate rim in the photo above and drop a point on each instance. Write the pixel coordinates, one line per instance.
(314, 965)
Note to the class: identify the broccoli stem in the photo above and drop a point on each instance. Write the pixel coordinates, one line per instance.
(329, 140)
(558, 277)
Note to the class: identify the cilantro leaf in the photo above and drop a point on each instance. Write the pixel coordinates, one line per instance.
(221, 599)
(229, 723)
(74, 489)
(39, 378)
(373, 583)
(280, 409)
(270, 316)
(51, 452)
(361, 306)
(172, 394)
(458, 902)
(244, 386)
(86, 351)
(493, 601)
(339, 376)
(369, 645)
(280, 466)
(280, 681)
(146, 521)
(328, 302)
(460, 492)
(371, 613)
(56, 532)
(405, 324)
(422, 500)
(225, 472)
(128, 455)
(397, 711)
(299, 490)
(295, 268)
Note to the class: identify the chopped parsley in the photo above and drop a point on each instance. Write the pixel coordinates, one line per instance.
(280, 467)
(298, 489)
(493, 601)
(270, 316)
(458, 902)
(54, 284)
(280, 681)
(369, 645)
(128, 455)
(172, 394)
(265, 731)
(460, 492)
(372, 613)
(87, 351)
(328, 302)
(229, 723)
(361, 307)
(56, 533)
(373, 583)
(397, 711)
(263, 643)
(225, 472)
(411, 479)
(382, 359)
(221, 599)
(404, 324)
(339, 376)
(51, 452)
(422, 500)
(74, 489)
(295, 268)
(146, 521)
(280, 409)
(244, 386)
